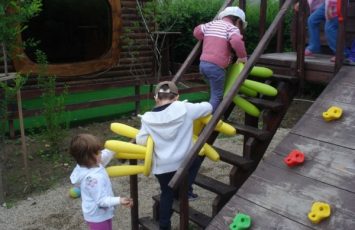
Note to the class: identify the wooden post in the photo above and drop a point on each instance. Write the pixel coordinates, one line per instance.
(23, 137)
(242, 4)
(339, 55)
(184, 204)
(301, 41)
(133, 184)
(280, 34)
(262, 19)
(137, 93)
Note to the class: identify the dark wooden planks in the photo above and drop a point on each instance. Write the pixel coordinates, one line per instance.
(341, 93)
(339, 132)
(319, 69)
(330, 164)
(262, 218)
(291, 195)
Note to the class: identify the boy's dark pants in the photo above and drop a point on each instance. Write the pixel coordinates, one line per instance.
(167, 194)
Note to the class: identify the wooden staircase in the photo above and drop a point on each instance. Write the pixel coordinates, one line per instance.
(257, 131)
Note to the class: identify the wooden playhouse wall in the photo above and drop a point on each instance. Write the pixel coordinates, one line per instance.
(135, 68)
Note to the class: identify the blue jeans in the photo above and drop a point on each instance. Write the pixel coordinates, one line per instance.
(330, 29)
(215, 76)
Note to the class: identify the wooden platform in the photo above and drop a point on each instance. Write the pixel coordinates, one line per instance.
(279, 197)
(318, 69)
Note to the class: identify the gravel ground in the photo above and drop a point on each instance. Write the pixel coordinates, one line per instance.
(55, 210)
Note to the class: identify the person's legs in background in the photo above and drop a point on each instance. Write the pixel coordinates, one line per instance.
(314, 21)
(215, 76)
(331, 32)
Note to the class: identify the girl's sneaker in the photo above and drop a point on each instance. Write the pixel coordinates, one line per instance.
(308, 53)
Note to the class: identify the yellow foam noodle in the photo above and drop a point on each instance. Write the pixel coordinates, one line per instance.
(148, 157)
(221, 126)
(247, 91)
(124, 170)
(231, 76)
(262, 72)
(261, 87)
(207, 150)
(246, 106)
(227, 129)
(198, 126)
(124, 147)
(202, 150)
(130, 156)
(124, 130)
(210, 152)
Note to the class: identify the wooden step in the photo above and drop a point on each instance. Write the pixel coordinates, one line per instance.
(251, 131)
(290, 79)
(215, 186)
(148, 223)
(195, 216)
(234, 159)
(265, 104)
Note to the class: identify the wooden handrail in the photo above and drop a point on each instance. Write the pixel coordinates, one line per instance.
(186, 164)
(196, 50)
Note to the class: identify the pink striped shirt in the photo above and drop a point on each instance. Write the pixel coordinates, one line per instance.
(219, 38)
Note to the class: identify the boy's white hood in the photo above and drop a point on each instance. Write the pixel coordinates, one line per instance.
(166, 123)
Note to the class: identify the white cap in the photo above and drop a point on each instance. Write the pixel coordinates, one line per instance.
(234, 11)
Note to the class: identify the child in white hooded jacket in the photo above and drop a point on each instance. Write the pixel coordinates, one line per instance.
(170, 124)
(98, 200)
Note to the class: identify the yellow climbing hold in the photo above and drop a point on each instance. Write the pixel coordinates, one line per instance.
(319, 211)
(332, 113)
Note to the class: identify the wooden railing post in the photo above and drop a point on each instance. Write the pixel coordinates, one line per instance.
(133, 184)
(301, 41)
(184, 204)
(280, 34)
(342, 16)
(262, 19)
(242, 4)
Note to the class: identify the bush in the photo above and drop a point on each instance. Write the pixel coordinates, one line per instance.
(183, 15)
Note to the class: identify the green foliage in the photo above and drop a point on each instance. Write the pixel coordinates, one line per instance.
(184, 15)
(252, 31)
(9, 90)
(13, 14)
(53, 106)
